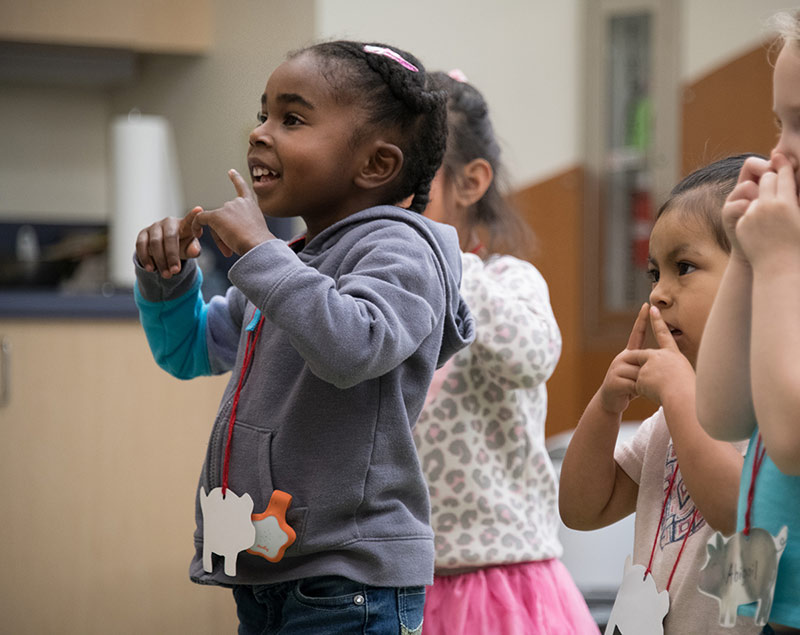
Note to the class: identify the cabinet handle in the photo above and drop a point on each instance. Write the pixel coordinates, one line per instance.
(5, 370)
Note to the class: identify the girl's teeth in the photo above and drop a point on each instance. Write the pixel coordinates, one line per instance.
(258, 171)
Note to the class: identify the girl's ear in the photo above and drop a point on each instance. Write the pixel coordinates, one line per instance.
(383, 164)
(473, 181)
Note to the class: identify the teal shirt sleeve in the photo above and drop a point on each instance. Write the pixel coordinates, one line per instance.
(176, 331)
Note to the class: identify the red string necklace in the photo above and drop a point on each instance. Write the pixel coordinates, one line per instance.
(658, 532)
(252, 337)
(758, 459)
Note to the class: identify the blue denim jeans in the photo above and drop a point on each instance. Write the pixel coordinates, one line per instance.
(328, 605)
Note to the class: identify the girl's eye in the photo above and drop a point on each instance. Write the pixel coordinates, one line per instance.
(685, 267)
(778, 123)
(261, 117)
(292, 120)
(652, 274)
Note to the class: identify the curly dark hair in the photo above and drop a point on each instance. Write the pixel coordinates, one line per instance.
(393, 96)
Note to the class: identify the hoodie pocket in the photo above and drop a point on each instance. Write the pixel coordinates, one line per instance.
(249, 470)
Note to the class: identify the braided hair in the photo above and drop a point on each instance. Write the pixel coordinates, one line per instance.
(471, 136)
(392, 96)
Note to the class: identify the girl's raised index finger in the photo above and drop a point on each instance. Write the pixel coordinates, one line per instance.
(639, 331)
(242, 188)
(664, 338)
(187, 222)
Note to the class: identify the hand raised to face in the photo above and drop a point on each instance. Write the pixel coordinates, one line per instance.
(238, 225)
(770, 227)
(663, 371)
(619, 385)
(745, 192)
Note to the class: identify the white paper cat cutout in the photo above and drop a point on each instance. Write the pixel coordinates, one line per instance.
(639, 608)
(227, 527)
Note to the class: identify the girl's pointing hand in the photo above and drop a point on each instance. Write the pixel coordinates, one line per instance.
(664, 369)
(161, 246)
(238, 225)
(619, 385)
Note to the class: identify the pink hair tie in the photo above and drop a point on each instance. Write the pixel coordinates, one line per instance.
(387, 52)
(458, 75)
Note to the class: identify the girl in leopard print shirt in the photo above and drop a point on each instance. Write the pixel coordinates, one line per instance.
(480, 436)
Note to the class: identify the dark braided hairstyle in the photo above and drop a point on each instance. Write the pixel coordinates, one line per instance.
(395, 97)
(471, 136)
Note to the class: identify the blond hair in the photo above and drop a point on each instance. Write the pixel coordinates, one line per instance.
(786, 26)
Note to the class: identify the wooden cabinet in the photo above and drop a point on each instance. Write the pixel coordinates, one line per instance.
(100, 452)
(147, 26)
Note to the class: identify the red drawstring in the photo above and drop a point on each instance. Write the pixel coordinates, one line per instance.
(660, 520)
(683, 545)
(658, 532)
(248, 356)
(758, 459)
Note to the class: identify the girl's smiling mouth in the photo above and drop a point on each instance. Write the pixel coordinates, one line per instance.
(261, 174)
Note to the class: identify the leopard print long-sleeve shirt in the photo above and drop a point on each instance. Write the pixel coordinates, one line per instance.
(481, 437)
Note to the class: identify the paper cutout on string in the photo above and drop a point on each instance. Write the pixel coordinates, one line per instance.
(742, 569)
(227, 527)
(273, 533)
(639, 609)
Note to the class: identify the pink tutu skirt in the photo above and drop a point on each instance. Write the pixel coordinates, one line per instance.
(530, 598)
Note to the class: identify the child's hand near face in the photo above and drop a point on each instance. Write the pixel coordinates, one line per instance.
(664, 371)
(619, 385)
(770, 226)
(745, 192)
(238, 225)
(161, 246)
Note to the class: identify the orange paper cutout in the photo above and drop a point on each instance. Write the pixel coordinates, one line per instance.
(273, 534)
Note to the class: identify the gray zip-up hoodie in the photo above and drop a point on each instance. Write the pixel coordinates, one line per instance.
(355, 324)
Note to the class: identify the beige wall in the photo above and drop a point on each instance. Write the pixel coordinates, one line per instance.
(524, 54)
(713, 32)
(53, 152)
(54, 159)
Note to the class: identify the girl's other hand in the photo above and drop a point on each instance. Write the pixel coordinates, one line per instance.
(664, 371)
(771, 224)
(239, 224)
(619, 385)
(161, 246)
(745, 192)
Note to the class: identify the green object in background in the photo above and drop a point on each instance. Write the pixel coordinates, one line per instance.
(639, 130)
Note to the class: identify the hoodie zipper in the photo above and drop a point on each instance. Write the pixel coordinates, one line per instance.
(216, 445)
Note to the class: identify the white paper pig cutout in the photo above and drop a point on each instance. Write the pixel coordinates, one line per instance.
(741, 570)
(639, 608)
(227, 528)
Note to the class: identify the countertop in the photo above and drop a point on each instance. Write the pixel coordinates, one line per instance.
(51, 303)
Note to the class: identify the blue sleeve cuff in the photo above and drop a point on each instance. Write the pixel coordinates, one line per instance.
(176, 331)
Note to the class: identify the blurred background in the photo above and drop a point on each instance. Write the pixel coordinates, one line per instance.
(112, 111)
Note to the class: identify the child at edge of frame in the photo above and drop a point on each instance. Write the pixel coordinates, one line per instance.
(311, 503)
(747, 371)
